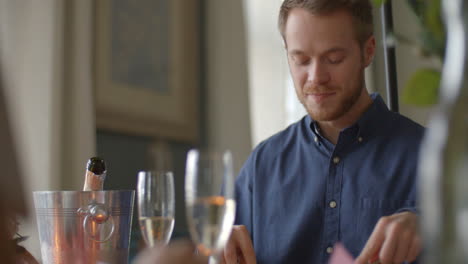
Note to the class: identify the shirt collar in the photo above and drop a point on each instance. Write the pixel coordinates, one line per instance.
(367, 124)
(371, 120)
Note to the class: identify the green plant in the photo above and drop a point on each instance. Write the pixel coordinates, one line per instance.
(423, 87)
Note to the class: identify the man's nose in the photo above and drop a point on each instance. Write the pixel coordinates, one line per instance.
(318, 74)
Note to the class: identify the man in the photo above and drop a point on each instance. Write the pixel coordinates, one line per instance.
(346, 171)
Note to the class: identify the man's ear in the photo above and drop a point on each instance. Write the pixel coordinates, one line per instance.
(369, 50)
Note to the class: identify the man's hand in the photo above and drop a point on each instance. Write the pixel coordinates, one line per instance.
(395, 239)
(239, 248)
(175, 253)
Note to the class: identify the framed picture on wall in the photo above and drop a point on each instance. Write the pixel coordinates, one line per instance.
(146, 67)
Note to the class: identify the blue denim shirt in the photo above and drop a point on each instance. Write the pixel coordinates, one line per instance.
(298, 194)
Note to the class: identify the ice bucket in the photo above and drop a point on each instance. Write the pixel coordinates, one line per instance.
(84, 227)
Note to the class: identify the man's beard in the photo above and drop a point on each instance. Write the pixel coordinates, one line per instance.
(342, 107)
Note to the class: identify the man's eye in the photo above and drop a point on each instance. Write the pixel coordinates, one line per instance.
(301, 61)
(335, 60)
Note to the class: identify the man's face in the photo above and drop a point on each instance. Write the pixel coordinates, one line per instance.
(326, 62)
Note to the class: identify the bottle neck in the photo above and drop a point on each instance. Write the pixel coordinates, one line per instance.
(94, 182)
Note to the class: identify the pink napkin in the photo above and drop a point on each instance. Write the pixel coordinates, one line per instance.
(340, 255)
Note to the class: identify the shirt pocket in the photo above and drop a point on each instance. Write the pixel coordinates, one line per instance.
(371, 210)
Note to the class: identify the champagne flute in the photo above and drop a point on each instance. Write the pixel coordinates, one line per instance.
(155, 192)
(209, 196)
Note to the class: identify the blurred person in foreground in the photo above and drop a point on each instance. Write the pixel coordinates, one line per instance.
(11, 192)
(345, 172)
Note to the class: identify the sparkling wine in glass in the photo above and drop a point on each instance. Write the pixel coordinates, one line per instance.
(209, 194)
(155, 192)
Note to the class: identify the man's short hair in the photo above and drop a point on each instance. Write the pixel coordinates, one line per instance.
(360, 10)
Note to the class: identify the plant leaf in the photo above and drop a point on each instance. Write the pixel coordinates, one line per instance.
(423, 88)
(431, 44)
(433, 19)
(417, 7)
(379, 2)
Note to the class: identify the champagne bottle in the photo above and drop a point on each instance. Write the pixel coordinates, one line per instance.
(95, 174)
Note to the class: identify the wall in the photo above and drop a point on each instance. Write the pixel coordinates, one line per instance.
(227, 109)
(267, 69)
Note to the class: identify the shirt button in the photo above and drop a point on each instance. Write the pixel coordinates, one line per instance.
(329, 250)
(359, 139)
(336, 160)
(316, 139)
(332, 204)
